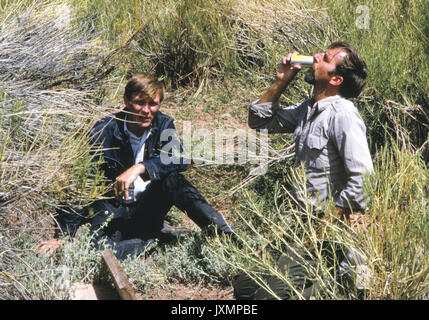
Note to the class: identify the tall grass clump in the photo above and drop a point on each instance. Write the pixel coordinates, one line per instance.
(117, 20)
(394, 247)
(398, 240)
(48, 87)
(52, 72)
(190, 42)
(194, 41)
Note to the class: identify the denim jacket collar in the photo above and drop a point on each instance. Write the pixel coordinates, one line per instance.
(119, 132)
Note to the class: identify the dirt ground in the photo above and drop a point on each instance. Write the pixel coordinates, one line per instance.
(82, 291)
(197, 292)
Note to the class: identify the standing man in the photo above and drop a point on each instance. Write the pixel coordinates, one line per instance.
(330, 136)
(132, 145)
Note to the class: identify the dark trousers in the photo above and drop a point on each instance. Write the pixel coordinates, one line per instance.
(128, 229)
(292, 265)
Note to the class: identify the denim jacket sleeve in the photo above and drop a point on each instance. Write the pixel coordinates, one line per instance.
(165, 152)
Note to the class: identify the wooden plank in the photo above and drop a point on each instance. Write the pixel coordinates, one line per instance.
(82, 291)
(120, 279)
(89, 291)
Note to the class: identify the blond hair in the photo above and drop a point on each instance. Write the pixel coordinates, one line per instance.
(146, 84)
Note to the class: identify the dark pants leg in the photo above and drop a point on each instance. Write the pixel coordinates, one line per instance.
(150, 210)
(129, 230)
(188, 199)
(112, 233)
(289, 263)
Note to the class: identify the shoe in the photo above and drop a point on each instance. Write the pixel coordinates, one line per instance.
(132, 247)
(355, 266)
(169, 233)
(225, 232)
(224, 229)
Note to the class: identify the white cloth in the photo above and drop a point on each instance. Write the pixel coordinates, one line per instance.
(138, 146)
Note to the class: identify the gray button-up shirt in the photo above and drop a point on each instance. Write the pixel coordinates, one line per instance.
(330, 141)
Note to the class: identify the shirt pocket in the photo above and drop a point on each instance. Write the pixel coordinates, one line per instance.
(316, 155)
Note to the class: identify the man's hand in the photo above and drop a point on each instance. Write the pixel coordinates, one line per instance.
(357, 220)
(286, 70)
(48, 246)
(284, 76)
(128, 177)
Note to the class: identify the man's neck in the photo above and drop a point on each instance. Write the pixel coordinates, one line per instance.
(320, 94)
(136, 130)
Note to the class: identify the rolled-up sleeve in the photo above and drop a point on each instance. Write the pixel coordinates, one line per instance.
(273, 118)
(349, 134)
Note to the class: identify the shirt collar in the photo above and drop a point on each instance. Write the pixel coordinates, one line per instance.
(132, 135)
(321, 105)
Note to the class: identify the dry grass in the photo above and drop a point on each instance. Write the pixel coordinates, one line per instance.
(51, 70)
(54, 69)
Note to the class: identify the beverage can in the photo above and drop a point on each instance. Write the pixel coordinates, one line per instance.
(131, 197)
(303, 60)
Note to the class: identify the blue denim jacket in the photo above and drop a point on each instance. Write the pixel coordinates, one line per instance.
(112, 144)
(108, 133)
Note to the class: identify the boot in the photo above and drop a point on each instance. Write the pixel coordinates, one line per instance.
(169, 233)
(131, 247)
(208, 219)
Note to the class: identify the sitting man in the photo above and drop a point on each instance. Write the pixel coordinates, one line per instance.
(330, 142)
(132, 144)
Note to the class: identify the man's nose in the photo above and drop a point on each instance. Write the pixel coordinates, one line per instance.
(145, 108)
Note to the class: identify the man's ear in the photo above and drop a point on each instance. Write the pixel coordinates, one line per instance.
(126, 101)
(336, 80)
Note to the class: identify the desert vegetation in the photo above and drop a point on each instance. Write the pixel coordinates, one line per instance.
(63, 65)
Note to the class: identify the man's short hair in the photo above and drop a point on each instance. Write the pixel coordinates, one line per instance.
(146, 84)
(353, 69)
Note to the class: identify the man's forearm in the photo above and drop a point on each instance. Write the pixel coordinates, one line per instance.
(277, 87)
(128, 177)
(284, 76)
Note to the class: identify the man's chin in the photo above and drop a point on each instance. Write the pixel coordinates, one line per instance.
(309, 77)
(145, 125)
(144, 122)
